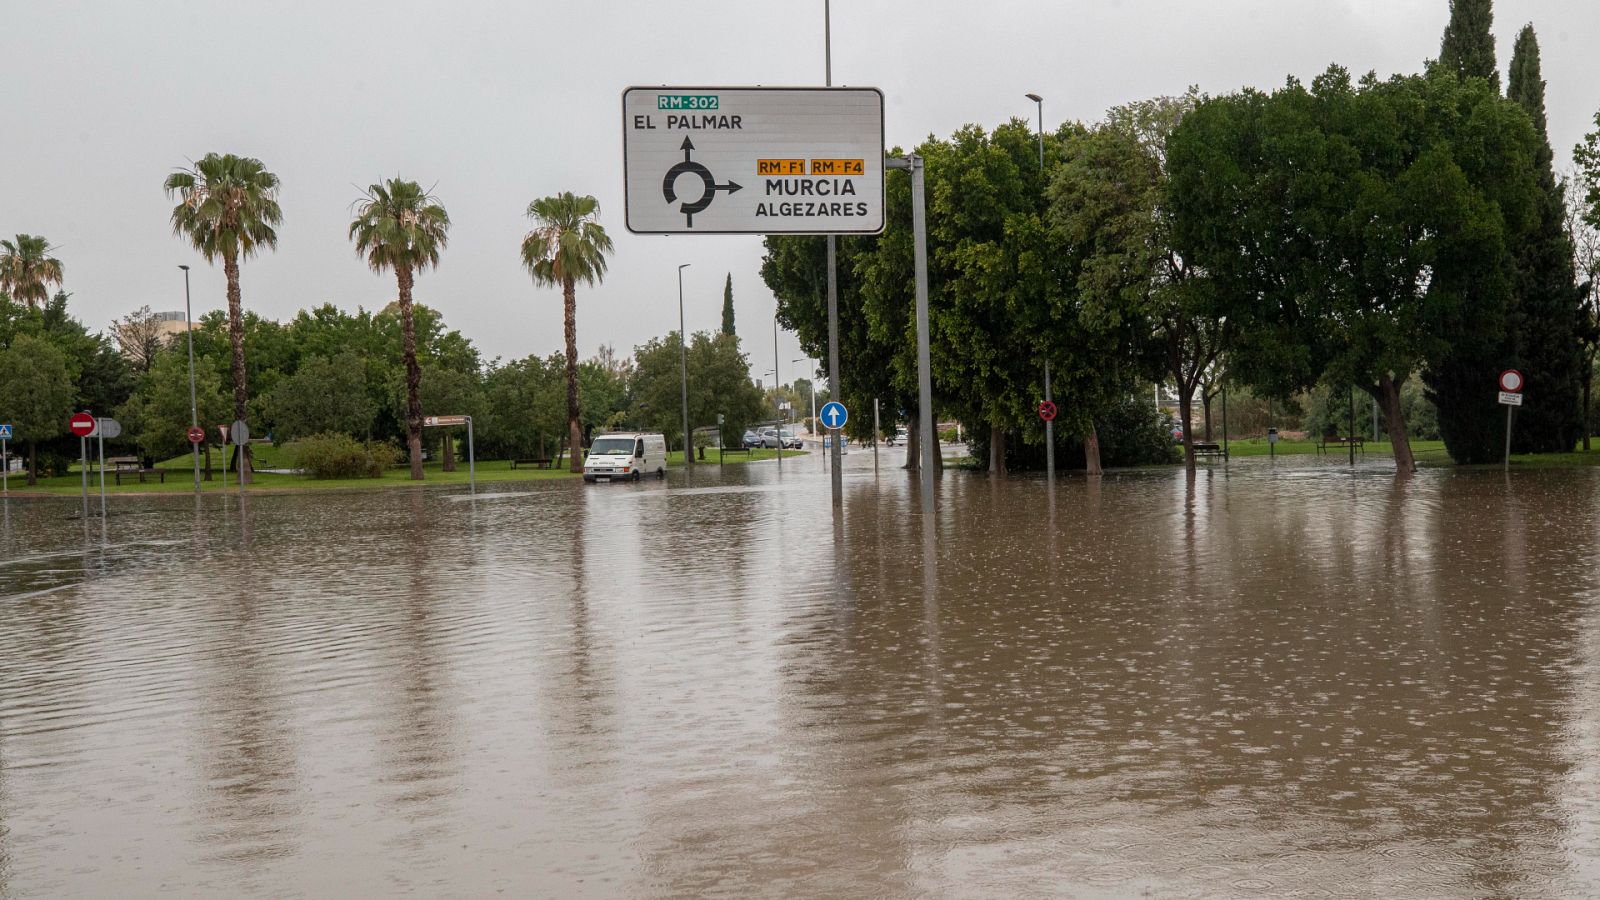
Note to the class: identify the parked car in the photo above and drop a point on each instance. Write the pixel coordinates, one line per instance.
(791, 437)
(750, 439)
(767, 437)
(899, 436)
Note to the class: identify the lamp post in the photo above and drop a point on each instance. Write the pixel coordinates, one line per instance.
(775, 382)
(813, 423)
(683, 365)
(194, 407)
(1049, 424)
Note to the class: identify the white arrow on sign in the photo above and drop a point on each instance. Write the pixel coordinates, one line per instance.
(834, 415)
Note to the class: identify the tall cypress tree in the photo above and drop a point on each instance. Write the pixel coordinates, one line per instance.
(1544, 314)
(1468, 48)
(727, 305)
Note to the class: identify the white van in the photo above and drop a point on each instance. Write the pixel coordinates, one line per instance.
(626, 454)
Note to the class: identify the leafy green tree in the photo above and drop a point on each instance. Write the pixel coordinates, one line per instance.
(400, 226)
(1354, 232)
(27, 269)
(327, 394)
(1467, 49)
(37, 398)
(449, 392)
(727, 305)
(567, 245)
(138, 336)
(1543, 340)
(1108, 201)
(228, 207)
(157, 417)
(719, 383)
(523, 408)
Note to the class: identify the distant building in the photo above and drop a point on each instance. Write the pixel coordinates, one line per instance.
(171, 323)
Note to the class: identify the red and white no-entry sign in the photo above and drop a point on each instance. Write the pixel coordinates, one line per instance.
(197, 435)
(1511, 381)
(82, 424)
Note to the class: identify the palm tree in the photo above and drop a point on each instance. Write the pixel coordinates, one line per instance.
(227, 207)
(26, 271)
(565, 247)
(400, 226)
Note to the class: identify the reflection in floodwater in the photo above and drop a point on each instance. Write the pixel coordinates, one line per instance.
(1282, 676)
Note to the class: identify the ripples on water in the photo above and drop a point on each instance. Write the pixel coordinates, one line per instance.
(1274, 680)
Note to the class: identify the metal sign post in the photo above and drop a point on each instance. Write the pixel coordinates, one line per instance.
(877, 434)
(239, 433)
(100, 439)
(224, 430)
(1050, 420)
(446, 421)
(919, 227)
(5, 460)
(1511, 384)
(83, 425)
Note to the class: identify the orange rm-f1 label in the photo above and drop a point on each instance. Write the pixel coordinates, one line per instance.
(780, 167)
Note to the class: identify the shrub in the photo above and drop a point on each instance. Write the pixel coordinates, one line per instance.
(342, 456)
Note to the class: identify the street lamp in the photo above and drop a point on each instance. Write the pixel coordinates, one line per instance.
(683, 365)
(194, 408)
(1049, 424)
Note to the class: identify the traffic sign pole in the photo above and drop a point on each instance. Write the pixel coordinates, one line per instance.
(1508, 437)
(1049, 433)
(100, 439)
(5, 470)
(83, 464)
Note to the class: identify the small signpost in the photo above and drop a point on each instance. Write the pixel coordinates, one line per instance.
(223, 430)
(105, 428)
(834, 415)
(1272, 442)
(472, 466)
(5, 461)
(1511, 383)
(82, 425)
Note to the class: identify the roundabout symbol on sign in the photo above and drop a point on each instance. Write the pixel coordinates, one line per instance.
(711, 187)
(1047, 410)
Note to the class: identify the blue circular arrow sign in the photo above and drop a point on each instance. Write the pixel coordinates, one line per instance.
(834, 415)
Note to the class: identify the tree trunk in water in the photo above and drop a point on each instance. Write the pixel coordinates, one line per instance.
(230, 268)
(569, 300)
(1205, 398)
(1091, 451)
(447, 453)
(1588, 385)
(208, 460)
(33, 463)
(913, 447)
(1185, 420)
(1388, 395)
(408, 345)
(997, 450)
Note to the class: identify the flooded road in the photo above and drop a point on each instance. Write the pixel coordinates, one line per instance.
(1275, 680)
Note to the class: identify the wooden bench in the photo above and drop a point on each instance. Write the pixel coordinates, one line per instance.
(129, 465)
(1335, 441)
(542, 462)
(726, 450)
(1209, 448)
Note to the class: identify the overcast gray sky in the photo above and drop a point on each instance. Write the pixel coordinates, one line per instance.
(497, 103)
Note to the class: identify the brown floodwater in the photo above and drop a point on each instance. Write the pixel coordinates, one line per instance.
(1290, 679)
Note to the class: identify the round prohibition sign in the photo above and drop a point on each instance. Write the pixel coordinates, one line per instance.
(82, 424)
(1511, 381)
(1047, 410)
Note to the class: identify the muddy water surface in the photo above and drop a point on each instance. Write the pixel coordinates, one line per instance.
(1276, 680)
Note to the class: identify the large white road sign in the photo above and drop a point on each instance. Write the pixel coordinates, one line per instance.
(719, 160)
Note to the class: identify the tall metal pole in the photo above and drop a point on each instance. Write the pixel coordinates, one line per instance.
(775, 383)
(1224, 424)
(683, 366)
(1049, 424)
(833, 277)
(1352, 431)
(876, 434)
(83, 463)
(99, 431)
(1509, 408)
(194, 407)
(919, 227)
(472, 461)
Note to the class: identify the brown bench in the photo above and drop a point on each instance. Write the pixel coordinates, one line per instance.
(129, 465)
(1209, 448)
(1335, 441)
(538, 462)
(724, 451)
